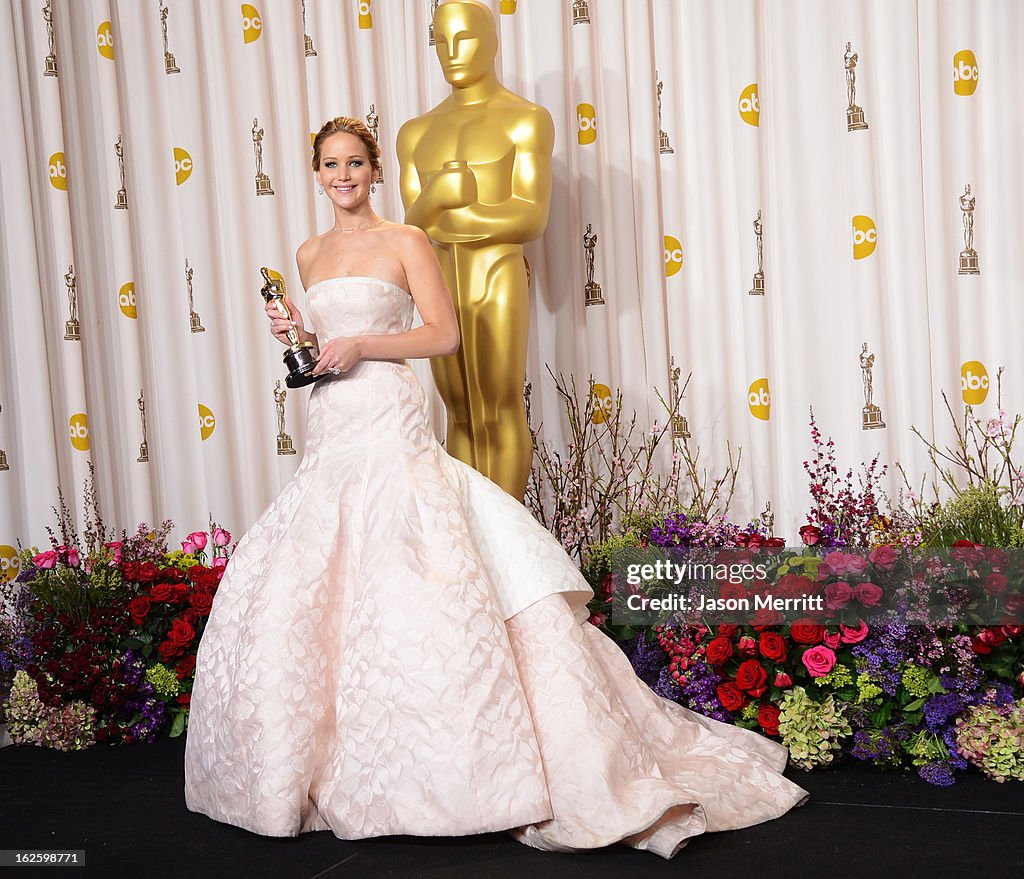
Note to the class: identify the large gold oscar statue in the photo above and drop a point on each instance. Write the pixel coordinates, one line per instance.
(476, 177)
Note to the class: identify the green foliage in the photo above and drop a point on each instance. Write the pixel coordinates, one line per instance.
(979, 513)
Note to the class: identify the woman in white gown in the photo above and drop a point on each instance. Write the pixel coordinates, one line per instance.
(397, 646)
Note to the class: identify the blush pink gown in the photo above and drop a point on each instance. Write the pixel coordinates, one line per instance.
(398, 647)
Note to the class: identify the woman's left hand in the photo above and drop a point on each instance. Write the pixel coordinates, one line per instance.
(339, 355)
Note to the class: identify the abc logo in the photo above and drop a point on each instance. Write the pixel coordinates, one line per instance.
(673, 256)
(79, 428)
(965, 72)
(182, 165)
(252, 24)
(865, 236)
(126, 300)
(750, 105)
(759, 399)
(974, 382)
(207, 422)
(9, 563)
(508, 7)
(365, 15)
(586, 122)
(105, 40)
(58, 172)
(601, 400)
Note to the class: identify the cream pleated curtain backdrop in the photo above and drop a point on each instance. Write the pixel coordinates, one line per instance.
(678, 125)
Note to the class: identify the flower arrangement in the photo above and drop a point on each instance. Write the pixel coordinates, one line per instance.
(101, 639)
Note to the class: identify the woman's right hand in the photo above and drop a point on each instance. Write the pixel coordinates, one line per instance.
(279, 326)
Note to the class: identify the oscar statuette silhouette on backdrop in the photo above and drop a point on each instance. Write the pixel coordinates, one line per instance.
(476, 177)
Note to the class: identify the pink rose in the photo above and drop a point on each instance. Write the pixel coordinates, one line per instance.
(837, 595)
(221, 536)
(115, 550)
(198, 538)
(835, 563)
(868, 594)
(74, 559)
(220, 563)
(854, 634)
(884, 556)
(819, 660)
(45, 560)
(831, 639)
(856, 564)
(188, 547)
(598, 619)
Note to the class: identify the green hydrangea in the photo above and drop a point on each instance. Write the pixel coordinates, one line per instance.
(164, 681)
(993, 740)
(813, 731)
(838, 678)
(926, 747)
(916, 680)
(67, 728)
(867, 687)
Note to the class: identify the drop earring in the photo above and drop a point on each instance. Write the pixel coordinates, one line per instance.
(373, 189)
(320, 189)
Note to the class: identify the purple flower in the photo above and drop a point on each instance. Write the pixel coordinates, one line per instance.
(937, 773)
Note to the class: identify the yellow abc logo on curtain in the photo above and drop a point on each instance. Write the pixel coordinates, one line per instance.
(252, 24)
(865, 236)
(182, 165)
(105, 40)
(508, 7)
(207, 422)
(9, 563)
(78, 426)
(759, 399)
(750, 105)
(126, 300)
(965, 72)
(601, 401)
(586, 123)
(58, 171)
(365, 14)
(974, 382)
(673, 255)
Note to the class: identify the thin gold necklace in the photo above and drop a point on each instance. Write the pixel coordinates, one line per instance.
(357, 228)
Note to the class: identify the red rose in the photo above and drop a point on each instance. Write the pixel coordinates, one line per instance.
(138, 607)
(768, 717)
(729, 630)
(181, 633)
(184, 698)
(201, 602)
(992, 637)
(732, 590)
(806, 631)
(979, 646)
(773, 646)
(775, 542)
(838, 595)
(168, 650)
(185, 667)
(751, 675)
(181, 591)
(162, 592)
(718, 650)
(810, 535)
(783, 680)
(868, 594)
(731, 696)
(995, 584)
(766, 616)
(884, 556)
(147, 572)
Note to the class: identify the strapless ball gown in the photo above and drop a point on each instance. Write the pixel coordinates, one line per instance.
(398, 647)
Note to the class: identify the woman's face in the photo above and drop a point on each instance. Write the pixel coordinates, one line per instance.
(345, 170)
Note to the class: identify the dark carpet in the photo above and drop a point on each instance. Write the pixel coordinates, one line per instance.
(125, 807)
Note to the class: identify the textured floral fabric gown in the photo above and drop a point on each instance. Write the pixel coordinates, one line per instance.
(398, 647)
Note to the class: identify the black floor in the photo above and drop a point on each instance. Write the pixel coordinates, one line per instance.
(125, 807)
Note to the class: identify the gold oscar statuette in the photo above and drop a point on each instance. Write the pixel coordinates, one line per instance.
(664, 146)
(72, 328)
(170, 66)
(680, 429)
(195, 322)
(307, 39)
(758, 288)
(262, 180)
(580, 12)
(871, 415)
(144, 445)
(284, 442)
(373, 124)
(3, 455)
(430, 30)
(592, 290)
(854, 114)
(476, 177)
(50, 62)
(300, 358)
(968, 256)
(121, 200)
